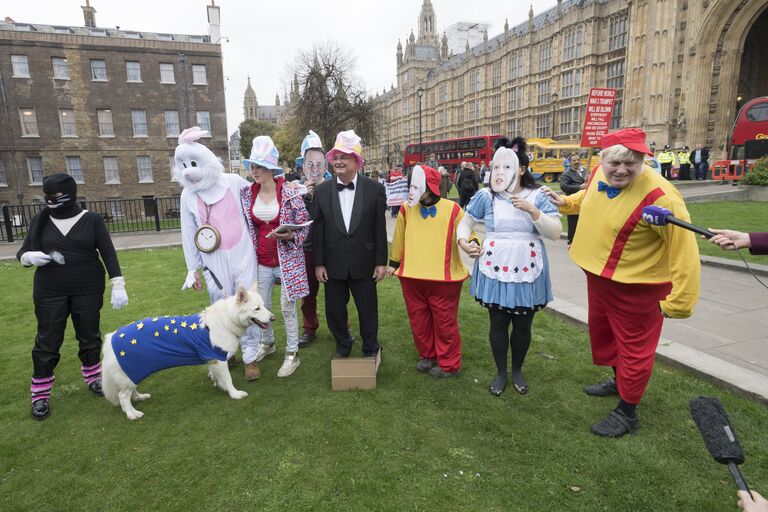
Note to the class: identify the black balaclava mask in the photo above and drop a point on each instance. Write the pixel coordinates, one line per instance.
(65, 205)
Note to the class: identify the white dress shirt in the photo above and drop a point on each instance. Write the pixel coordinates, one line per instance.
(347, 201)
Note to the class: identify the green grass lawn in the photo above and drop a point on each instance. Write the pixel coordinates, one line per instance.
(414, 443)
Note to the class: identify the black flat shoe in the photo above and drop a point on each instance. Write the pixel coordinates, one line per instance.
(95, 386)
(616, 424)
(498, 386)
(604, 388)
(41, 409)
(521, 389)
(306, 340)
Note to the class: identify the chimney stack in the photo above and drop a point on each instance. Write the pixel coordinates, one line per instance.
(89, 14)
(214, 23)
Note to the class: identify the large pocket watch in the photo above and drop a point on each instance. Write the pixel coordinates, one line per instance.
(207, 238)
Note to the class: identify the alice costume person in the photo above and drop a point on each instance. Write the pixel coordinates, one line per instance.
(210, 199)
(279, 261)
(66, 243)
(425, 257)
(511, 274)
(636, 275)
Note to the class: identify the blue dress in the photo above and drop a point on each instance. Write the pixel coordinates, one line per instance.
(512, 274)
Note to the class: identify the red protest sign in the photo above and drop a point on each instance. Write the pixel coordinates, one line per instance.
(598, 116)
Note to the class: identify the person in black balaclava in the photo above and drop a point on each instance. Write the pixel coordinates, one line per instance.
(62, 243)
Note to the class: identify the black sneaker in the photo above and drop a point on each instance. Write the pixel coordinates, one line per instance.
(604, 388)
(95, 386)
(41, 409)
(306, 339)
(439, 373)
(424, 365)
(616, 424)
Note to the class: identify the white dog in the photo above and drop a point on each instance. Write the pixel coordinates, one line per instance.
(135, 351)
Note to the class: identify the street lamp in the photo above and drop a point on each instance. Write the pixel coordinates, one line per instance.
(420, 94)
(554, 98)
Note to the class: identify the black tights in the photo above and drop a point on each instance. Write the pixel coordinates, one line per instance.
(501, 339)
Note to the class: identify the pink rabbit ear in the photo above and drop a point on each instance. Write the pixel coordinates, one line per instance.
(190, 135)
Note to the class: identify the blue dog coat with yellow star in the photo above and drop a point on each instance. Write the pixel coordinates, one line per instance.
(153, 344)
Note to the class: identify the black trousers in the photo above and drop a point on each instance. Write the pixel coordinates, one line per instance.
(666, 170)
(573, 220)
(52, 313)
(336, 315)
(685, 172)
(465, 196)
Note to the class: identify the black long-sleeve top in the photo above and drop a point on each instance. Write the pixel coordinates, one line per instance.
(82, 272)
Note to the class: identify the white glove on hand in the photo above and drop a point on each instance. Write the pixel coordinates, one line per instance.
(119, 296)
(190, 280)
(37, 258)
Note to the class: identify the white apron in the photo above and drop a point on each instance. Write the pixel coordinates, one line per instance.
(513, 252)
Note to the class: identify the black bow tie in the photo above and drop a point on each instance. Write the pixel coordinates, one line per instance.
(341, 186)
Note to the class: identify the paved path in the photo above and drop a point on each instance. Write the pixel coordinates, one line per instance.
(726, 339)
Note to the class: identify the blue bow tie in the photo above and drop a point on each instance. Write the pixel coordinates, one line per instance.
(428, 212)
(610, 191)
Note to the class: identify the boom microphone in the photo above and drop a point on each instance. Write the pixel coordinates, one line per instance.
(658, 216)
(719, 436)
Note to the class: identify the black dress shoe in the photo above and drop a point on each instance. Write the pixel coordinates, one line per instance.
(616, 424)
(95, 386)
(604, 388)
(41, 409)
(340, 355)
(306, 339)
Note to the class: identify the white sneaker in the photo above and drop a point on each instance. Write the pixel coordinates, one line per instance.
(264, 350)
(290, 364)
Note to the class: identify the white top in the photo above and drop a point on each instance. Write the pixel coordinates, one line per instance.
(347, 201)
(265, 211)
(64, 225)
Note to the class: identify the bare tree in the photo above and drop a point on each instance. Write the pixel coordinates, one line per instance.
(328, 98)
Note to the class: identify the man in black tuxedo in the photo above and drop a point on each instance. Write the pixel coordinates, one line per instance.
(349, 237)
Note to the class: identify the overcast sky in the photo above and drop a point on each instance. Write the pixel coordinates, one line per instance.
(265, 35)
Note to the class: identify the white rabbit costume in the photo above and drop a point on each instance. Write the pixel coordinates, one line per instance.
(211, 197)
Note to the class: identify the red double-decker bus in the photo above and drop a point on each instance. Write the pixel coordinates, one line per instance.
(751, 124)
(451, 152)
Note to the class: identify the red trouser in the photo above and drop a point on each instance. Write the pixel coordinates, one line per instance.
(309, 303)
(624, 329)
(433, 308)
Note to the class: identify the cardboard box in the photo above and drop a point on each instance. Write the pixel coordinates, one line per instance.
(354, 372)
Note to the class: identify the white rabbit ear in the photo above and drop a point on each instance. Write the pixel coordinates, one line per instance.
(190, 135)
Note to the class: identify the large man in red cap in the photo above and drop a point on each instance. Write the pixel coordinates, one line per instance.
(637, 273)
(426, 258)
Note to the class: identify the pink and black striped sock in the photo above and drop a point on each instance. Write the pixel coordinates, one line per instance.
(41, 388)
(91, 373)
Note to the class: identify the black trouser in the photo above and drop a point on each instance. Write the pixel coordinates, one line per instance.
(336, 316)
(52, 313)
(666, 170)
(685, 172)
(465, 196)
(573, 220)
(501, 339)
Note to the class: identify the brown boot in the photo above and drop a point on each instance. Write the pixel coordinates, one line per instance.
(233, 361)
(252, 371)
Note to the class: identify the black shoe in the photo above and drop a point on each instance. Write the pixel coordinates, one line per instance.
(41, 409)
(498, 385)
(424, 365)
(306, 339)
(616, 424)
(95, 386)
(439, 373)
(340, 355)
(604, 388)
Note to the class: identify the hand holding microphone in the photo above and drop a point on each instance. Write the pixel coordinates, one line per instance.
(658, 216)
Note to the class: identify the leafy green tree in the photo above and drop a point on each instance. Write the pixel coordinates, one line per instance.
(250, 129)
(288, 141)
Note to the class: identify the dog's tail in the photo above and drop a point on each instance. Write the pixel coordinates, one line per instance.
(108, 365)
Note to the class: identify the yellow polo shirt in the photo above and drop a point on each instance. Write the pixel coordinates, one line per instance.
(613, 241)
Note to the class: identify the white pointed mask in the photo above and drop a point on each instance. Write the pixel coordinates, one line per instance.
(505, 170)
(418, 186)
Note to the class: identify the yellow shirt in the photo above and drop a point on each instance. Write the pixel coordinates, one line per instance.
(426, 248)
(613, 241)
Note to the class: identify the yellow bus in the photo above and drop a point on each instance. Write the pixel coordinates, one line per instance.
(547, 157)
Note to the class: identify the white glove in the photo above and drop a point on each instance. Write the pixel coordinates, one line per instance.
(37, 258)
(190, 280)
(119, 297)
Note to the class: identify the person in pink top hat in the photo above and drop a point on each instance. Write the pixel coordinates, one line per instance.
(349, 240)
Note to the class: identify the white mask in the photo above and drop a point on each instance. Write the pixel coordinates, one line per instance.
(505, 170)
(418, 186)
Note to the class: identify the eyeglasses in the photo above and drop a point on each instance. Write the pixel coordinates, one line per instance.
(341, 157)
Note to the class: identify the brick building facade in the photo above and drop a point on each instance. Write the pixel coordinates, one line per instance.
(104, 105)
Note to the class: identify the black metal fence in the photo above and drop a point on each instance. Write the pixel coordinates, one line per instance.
(120, 215)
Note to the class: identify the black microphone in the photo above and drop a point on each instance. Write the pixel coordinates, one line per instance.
(658, 216)
(719, 436)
